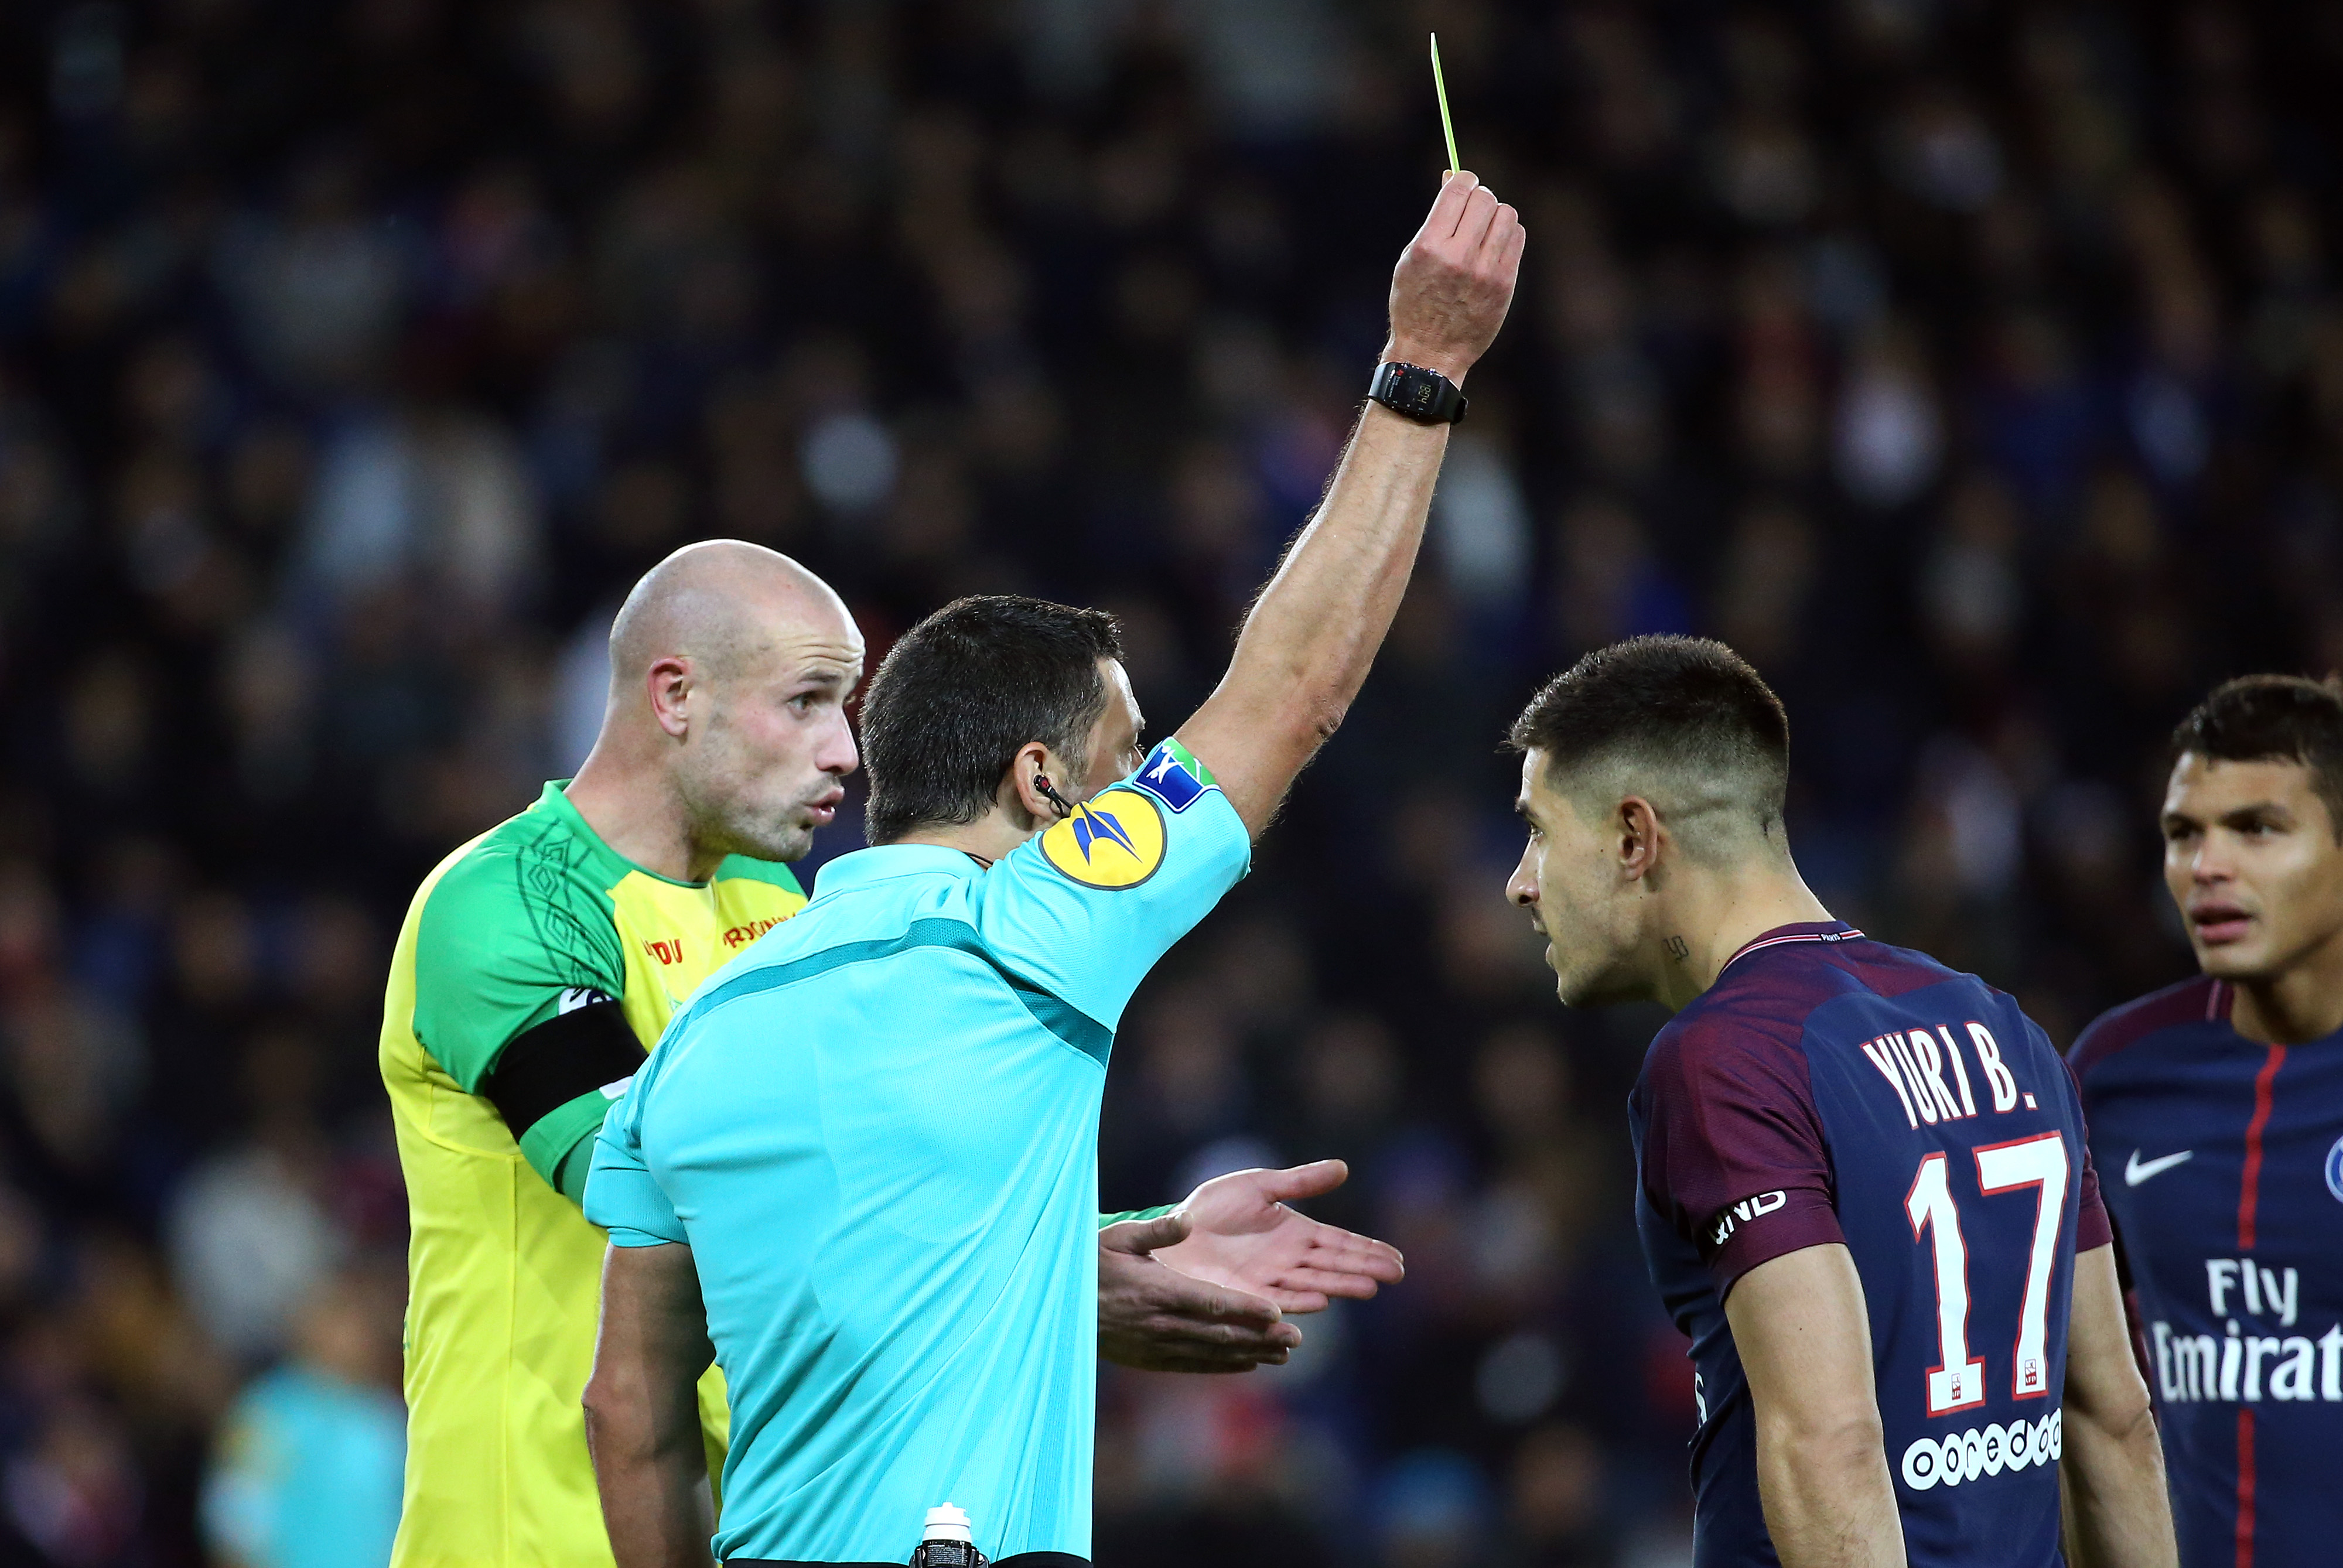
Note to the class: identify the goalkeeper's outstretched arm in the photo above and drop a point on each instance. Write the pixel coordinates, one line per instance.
(642, 1409)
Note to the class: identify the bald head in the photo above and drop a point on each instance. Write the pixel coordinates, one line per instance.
(726, 732)
(726, 605)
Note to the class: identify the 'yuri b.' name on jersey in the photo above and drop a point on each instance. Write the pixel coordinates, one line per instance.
(1908, 1060)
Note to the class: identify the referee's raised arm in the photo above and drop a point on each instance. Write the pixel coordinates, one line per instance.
(1307, 644)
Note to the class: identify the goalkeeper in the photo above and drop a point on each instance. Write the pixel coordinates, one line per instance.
(538, 962)
(858, 1168)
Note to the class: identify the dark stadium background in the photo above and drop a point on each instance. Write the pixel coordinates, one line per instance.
(1977, 368)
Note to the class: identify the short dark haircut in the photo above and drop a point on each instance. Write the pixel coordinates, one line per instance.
(964, 691)
(1685, 715)
(2274, 718)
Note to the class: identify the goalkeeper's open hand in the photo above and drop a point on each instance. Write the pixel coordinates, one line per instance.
(1206, 1287)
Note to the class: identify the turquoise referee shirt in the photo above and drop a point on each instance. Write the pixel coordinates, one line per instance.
(877, 1131)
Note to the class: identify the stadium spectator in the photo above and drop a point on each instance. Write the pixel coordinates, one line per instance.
(309, 1457)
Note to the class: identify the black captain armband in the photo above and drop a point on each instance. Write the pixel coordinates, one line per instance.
(574, 1052)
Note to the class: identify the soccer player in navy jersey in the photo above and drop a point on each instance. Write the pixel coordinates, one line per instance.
(2221, 1102)
(1863, 1188)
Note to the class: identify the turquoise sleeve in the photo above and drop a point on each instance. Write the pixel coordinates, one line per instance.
(622, 1195)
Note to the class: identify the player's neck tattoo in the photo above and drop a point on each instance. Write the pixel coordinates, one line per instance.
(1678, 948)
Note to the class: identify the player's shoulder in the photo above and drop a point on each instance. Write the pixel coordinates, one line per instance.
(1744, 1021)
(531, 881)
(1771, 992)
(1884, 970)
(2197, 1000)
(1865, 970)
(533, 854)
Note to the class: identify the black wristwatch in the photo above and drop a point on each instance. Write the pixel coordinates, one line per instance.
(1410, 391)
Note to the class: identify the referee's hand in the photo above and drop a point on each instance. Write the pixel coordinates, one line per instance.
(1454, 281)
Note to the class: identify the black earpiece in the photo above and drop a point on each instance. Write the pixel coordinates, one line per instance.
(1050, 793)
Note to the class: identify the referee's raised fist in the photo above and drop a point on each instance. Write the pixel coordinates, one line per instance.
(1454, 282)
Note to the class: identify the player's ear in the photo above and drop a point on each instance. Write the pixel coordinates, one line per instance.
(1638, 838)
(668, 685)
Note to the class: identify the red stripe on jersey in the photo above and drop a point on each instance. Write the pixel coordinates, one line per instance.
(2245, 1488)
(2251, 1189)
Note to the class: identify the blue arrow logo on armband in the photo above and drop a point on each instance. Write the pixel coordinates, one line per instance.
(1092, 825)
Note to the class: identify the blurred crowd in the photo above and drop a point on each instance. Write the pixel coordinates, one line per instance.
(1977, 368)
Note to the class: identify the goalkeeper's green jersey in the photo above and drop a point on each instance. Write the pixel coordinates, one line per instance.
(520, 955)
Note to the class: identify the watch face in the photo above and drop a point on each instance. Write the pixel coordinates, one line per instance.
(1410, 390)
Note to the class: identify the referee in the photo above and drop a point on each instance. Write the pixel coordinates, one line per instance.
(540, 961)
(860, 1168)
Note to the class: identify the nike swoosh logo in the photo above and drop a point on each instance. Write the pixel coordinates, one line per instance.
(2137, 1171)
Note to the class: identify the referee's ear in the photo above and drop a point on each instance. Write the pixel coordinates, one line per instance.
(1036, 784)
(1140, 1237)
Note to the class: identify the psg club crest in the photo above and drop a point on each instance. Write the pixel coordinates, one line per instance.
(2335, 1170)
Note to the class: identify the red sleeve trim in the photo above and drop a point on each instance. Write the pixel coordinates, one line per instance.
(2092, 1228)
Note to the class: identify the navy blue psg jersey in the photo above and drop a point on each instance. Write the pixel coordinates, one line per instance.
(2229, 1213)
(1829, 1088)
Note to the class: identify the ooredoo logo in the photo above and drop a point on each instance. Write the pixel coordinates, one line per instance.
(2335, 1170)
(1960, 1456)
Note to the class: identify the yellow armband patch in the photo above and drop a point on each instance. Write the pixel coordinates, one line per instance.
(1114, 842)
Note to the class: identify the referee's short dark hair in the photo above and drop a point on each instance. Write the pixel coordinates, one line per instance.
(2274, 718)
(1684, 720)
(962, 691)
